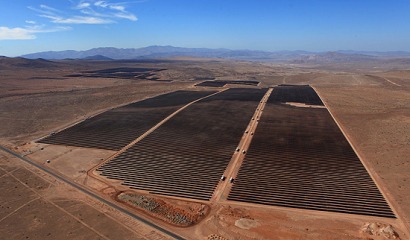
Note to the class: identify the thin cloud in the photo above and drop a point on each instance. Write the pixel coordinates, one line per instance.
(110, 10)
(118, 8)
(7, 33)
(87, 12)
(48, 8)
(16, 34)
(101, 4)
(77, 20)
(128, 16)
(108, 5)
(83, 5)
(41, 10)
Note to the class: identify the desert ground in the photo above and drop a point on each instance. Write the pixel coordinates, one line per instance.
(370, 103)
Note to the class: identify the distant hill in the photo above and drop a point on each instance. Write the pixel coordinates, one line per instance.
(392, 54)
(19, 62)
(335, 57)
(98, 57)
(155, 52)
(128, 53)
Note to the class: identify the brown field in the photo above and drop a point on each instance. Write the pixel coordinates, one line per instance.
(371, 106)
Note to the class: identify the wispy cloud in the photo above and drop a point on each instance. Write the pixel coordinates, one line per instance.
(86, 12)
(48, 8)
(125, 15)
(81, 12)
(105, 4)
(83, 5)
(44, 9)
(15, 34)
(106, 9)
(77, 19)
(26, 33)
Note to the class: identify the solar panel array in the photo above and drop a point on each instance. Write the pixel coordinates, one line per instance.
(295, 93)
(118, 127)
(187, 155)
(299, 158)
(221, 83)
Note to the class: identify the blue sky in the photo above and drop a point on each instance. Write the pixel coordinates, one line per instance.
(28, 26)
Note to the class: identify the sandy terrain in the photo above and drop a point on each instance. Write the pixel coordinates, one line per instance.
(36, 206)
(371, 105)
(377, 123)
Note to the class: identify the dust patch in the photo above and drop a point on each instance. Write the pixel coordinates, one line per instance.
(245, 223)
(379, 231)
(216, 237)
(182, 216)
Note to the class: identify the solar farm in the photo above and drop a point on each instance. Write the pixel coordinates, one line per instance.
(298, 156)
(118, 127)
(222, 83)
(187, 155)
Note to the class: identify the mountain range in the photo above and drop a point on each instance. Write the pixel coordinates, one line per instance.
(152, 52)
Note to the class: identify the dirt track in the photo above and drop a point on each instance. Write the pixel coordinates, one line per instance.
(224, 187)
